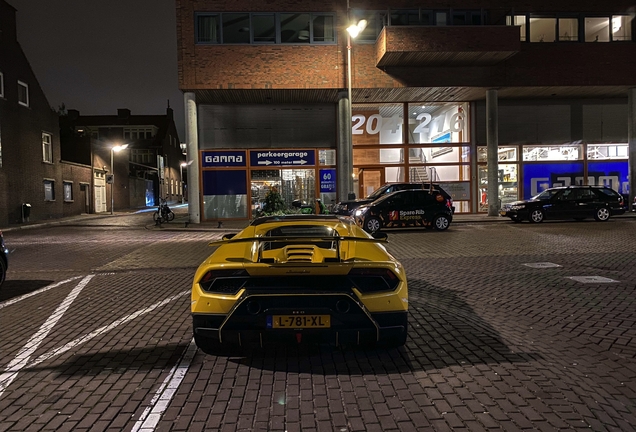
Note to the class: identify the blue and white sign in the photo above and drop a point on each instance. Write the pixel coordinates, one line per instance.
(327, 180)
(223, 159)
(277, 158)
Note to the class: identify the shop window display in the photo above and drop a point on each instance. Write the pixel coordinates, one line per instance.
(292, 184)
(552, 153)
(607, 151)
(508, 188)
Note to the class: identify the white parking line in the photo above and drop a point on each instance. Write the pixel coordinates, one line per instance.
(152, 414)
(41, 290)
(82, 339)
(18, 363)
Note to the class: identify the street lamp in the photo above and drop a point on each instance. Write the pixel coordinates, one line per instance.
(352, 32)
(183, 164)
(113, 150)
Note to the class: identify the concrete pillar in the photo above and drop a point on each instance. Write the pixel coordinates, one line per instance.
(492, 141)
(344, 150)
(192, 141)
(631, 139)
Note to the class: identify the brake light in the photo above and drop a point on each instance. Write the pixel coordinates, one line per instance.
(373, 280)
(224, 281)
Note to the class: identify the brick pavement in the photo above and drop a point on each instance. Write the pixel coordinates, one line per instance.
(494, 344)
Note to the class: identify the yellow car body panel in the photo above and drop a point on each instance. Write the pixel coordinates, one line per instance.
(341, 265)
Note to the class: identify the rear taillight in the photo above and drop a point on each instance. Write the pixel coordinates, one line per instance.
(224, 281)
(373, 280)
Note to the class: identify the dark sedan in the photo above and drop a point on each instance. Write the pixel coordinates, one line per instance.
(571, 202)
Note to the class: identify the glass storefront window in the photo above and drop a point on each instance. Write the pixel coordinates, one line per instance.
(607, 151)
(552, 153)
(597, 29)
(327, 157)
(439, 173)
(438, 123)
(542, 29)
(420, 155)
(377, 123)
(621, 28)
(504, 154)
(508, 188)
(291, 183)
(224, 194)
(378, 156)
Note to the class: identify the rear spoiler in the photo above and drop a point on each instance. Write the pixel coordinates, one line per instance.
(298, 239)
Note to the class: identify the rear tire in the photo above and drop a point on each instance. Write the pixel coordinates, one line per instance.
(536, 216)
(441, 223)
(602, 214)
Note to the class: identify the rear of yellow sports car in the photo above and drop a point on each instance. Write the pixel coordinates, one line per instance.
(299, 279)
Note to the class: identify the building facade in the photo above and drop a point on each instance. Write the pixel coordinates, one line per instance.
(279, 94)
(148, 166)
(35, 183)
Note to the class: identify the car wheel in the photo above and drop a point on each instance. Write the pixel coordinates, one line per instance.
(536, 216)
(440, 223)
(372, 224)
(602, 214)
(3, 271)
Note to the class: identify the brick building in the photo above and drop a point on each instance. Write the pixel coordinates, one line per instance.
(148, 168)
(31, 169)
(439, 91)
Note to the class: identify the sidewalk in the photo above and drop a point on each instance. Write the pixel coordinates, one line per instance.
(142, 218)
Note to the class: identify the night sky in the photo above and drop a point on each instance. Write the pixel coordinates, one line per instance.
(97, 56)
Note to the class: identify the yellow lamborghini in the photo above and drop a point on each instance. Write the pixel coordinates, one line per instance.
(298, 279)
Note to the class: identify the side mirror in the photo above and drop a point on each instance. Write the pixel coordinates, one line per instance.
(228, 236)
(380, 235)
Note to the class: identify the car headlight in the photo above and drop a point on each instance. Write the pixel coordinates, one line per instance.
(518, 207)
(361, 211)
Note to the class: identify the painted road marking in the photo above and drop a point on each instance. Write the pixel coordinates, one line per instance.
(41, 290)
(82, 339)
(20, 361)
(152, 414)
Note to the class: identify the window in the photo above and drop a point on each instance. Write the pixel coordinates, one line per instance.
(1, 85)
(542, 29)
(49, 190)
(138, 133)
(23, 94)
(621, 28)
(68, 191)
(265, 28)
(208, 29)
(597, 29)
(47, 148)
(568, 29)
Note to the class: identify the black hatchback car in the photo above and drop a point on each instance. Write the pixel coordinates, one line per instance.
(570, 202)
(347, 208)
(426, 208)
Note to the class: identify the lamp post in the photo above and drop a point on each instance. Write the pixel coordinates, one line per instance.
(113, 150)
(352, 32)
(183, 164)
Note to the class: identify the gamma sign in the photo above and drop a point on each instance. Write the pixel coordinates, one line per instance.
(276, 158)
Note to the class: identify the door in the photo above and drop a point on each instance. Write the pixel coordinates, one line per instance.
(370, 180)
(100, 193)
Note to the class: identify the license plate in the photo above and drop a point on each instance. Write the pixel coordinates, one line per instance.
(298, 321)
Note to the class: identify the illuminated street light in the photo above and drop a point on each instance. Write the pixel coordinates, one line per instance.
(352, 32)
(113, 150)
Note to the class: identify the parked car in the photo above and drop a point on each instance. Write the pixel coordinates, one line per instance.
(347, 208)
(426, 208)
(299, 278)
(570, 202)
(4, 262)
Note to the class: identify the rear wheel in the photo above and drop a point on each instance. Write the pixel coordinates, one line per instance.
(372, 224)
(441, 222)
(602, 214)
(536, 216)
